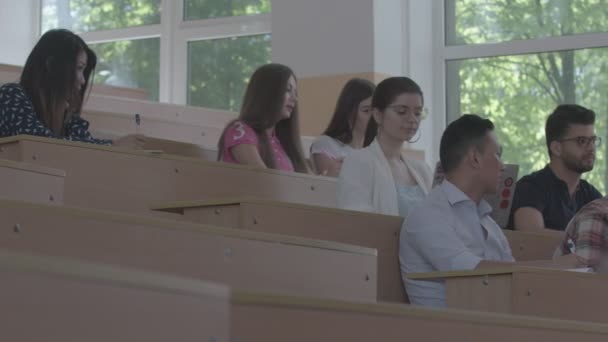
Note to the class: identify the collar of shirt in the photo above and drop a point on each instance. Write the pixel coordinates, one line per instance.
(455, 196)
(553, 177)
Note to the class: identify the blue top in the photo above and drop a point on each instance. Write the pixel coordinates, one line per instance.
(17, 116)
(407, 197)
(543, 191)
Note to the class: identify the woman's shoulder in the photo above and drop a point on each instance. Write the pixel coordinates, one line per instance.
(12, 89)
(238, 132)
(326, 144)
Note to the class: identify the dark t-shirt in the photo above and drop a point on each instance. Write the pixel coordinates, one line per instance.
(543, 191)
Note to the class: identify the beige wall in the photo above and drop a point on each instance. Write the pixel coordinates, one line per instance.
(318, 96)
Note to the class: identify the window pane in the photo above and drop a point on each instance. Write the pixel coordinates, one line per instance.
(205, 9)
(130, 64)
(518, 93)
(94, 15)
(477, 21)
(218, 70)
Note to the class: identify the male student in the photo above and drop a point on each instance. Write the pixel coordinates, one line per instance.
(549, 198)
(452, 229)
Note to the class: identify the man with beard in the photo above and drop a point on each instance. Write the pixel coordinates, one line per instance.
(549, 198)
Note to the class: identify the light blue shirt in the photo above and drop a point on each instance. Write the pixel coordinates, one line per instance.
(408, 197)
(447, 231)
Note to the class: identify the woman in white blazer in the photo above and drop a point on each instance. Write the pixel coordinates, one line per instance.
(380, 178)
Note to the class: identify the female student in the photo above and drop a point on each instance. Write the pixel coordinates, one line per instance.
(267, 133)
(49, 97)
(380, 178)
(350, 128)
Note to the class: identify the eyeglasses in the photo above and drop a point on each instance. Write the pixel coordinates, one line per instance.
(418, 113)
(585, 141)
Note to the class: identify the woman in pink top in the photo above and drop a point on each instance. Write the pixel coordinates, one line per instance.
(267, 133)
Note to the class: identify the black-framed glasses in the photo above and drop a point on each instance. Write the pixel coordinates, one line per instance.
(583, 141)
(418, 113)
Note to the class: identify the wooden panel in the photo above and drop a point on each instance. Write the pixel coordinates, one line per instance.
(564, 295)
(376, 231)
(119, 124)
(244, 260)
(312, 320)
(533, 246)
(25, 182)
(370, 230)
(46, 299)
(116, 179)
(131, 93)
(208, 181)
(483, 293)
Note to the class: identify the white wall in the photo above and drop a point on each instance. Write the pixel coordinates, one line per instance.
(321, 37)
(18, 30)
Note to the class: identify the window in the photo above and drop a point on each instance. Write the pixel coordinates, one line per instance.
(96, 15)
(481, 22)
(187, 52)
(517, 84)
(129, 64)
(206, 9)
(220, 69)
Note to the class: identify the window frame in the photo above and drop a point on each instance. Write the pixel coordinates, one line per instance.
(175, 33)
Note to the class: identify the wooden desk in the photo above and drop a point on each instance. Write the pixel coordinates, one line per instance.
(48, 298)
(245, 260)
(124, 180)
(380, 232)
(56, 299)
(274, 318)
(27, 182)
(527, 291)
(533, 246)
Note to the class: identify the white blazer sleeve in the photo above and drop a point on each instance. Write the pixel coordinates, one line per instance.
(355, 188)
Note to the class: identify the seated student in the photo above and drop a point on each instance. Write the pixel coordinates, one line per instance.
(49, 97)
(586, 236)
(549, 198)
(380, 178)
(267, 133)
(350, 128)
(452, 229)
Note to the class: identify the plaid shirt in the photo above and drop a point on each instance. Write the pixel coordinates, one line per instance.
(588, 230)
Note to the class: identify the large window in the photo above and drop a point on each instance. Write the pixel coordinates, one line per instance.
(523, 58)
(198, 52)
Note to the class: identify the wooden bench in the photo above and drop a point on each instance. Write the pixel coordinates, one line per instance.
(27, 182)
(527, 291)
(244, 260)
(352, 227)
(56, 299)
(62, 300)
(533, 246)
(123, 180)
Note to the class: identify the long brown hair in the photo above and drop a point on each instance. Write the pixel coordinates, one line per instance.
(261, 110)
(49, 77)
(343, 121)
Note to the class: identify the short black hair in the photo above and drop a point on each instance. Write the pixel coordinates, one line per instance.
(562, 117)
(464, 132)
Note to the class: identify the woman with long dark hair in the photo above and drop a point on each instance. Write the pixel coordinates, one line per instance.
(266, 133)
(351, 128)
(49, 97)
